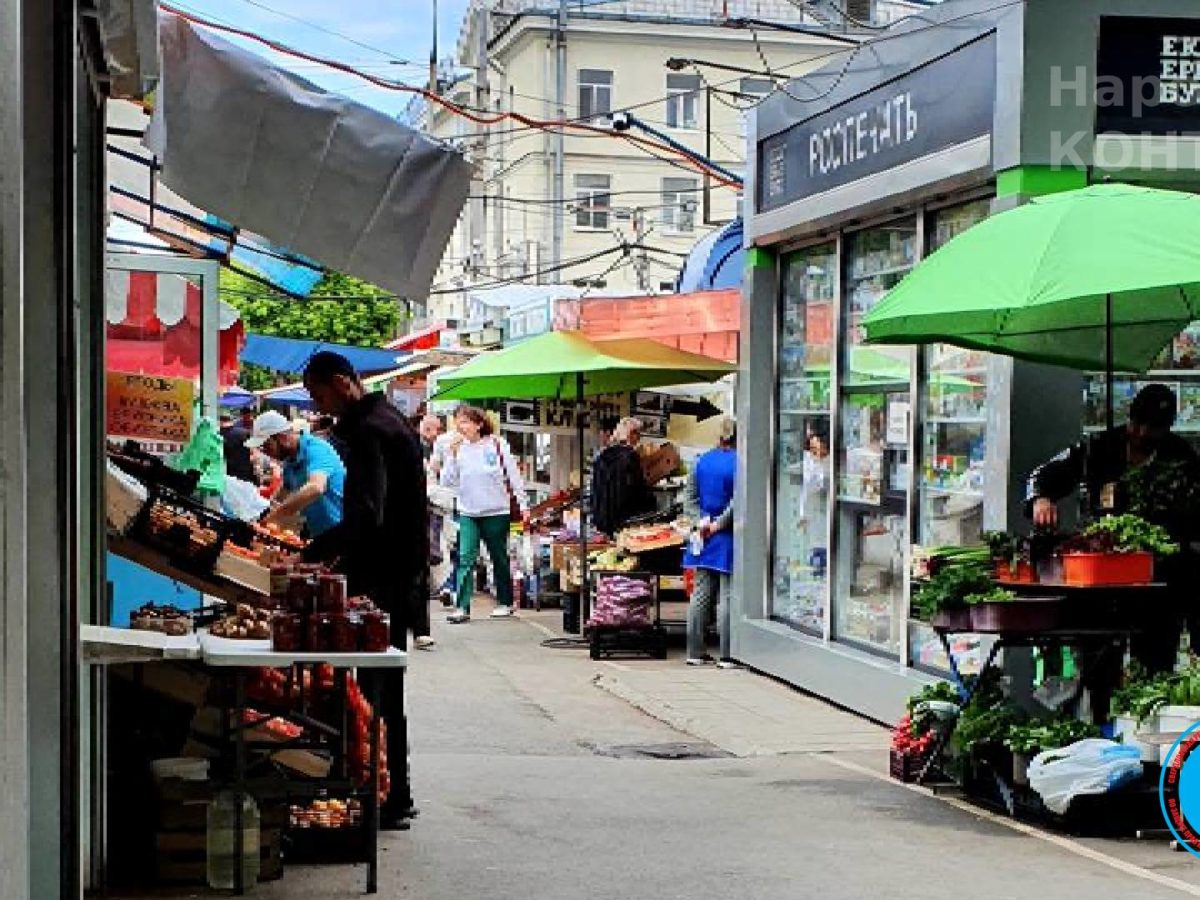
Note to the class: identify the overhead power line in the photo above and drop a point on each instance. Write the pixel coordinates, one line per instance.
(480, 119)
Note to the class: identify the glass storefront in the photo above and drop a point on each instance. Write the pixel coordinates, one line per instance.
(874, 469)
(1178, 367)
(803, 462)
(844, 520)
(954, 447)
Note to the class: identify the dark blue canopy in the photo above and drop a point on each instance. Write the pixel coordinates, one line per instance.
(716, 262)
(291, 355)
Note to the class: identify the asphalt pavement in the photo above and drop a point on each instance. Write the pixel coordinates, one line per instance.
(536, 780)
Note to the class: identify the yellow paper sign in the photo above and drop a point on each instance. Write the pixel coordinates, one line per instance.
(149, 407)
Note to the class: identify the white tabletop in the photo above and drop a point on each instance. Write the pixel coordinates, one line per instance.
(102, 643)
(219, 651)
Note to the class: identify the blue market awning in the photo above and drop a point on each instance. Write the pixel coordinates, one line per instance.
(715, 263)
(237, 397)
(291, 395)
(291, 355)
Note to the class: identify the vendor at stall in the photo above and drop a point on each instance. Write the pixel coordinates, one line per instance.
(382, 543)
(1104, 464)
(313, 474)
(709, 503)
(619, 489)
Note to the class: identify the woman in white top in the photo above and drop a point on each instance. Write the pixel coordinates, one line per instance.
(814, 501)
(479, 465)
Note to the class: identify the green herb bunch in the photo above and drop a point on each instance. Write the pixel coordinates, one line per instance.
(1033, 737)
(1122, 534)
(950, 587)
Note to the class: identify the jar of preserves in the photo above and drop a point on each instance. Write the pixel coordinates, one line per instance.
(343, 633)
(376, 631)
(287, 633)
(279, 583)
(318, 633)
(301, 594)
(331, 593)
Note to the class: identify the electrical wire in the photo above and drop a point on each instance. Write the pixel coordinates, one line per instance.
(330, 31)
(480, 119)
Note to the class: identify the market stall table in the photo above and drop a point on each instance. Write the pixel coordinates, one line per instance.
(1093, 616)
(234, 659)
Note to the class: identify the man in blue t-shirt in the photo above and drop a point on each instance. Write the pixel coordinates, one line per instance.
(314, 476)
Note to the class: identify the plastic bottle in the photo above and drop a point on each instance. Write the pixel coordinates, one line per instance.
(222, 841)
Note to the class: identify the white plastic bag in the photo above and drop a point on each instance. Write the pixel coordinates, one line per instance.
(243, 501)
(1093, 766)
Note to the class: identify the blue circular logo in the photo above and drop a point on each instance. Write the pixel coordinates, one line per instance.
(1179, 790)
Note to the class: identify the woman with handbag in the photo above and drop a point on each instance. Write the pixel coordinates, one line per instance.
(491, 496)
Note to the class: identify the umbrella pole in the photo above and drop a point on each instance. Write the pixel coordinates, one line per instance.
(1108, 362)
(585, 589)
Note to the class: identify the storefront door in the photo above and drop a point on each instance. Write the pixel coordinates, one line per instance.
(874, 473)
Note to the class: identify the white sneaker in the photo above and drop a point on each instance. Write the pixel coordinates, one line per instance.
(728, 664)
(701, 661)
(502, 612)
(424, 642)
(458, 617)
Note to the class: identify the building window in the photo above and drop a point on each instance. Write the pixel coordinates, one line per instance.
(756, 87)
(681, 100)
(804, 465)
(592, 204)
(679, 204)
(870, 602)
(595, 93)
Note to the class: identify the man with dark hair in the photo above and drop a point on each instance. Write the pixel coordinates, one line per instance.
(1102, 460)
(382, 543)
(1101, 464)
(237, 454)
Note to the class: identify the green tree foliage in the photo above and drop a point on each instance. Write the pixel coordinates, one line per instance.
(356, 313)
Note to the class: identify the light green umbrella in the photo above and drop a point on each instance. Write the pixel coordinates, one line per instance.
(1099, 278)
(571, 366)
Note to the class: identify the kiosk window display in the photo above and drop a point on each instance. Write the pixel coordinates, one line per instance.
(803, 461)
(874, 469)
(953, 447)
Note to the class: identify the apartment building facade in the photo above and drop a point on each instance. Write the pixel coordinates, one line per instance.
(614, 211)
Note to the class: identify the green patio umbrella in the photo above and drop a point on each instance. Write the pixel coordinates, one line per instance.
(1099, 278)
(569, 365)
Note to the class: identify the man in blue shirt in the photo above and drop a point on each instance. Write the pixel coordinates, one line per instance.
(313, 474)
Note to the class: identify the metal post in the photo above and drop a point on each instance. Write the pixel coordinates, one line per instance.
(707, 199)
(560, 92)
(1108, 362)
(585, 589)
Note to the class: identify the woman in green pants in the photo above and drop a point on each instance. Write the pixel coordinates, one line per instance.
(480, 467)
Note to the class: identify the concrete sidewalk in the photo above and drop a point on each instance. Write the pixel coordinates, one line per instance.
(739, 711)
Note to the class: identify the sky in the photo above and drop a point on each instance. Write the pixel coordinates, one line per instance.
(399, 30)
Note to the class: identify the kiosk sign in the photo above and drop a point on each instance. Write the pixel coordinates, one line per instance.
(946, 102)
(1148, 76)
(149, 407)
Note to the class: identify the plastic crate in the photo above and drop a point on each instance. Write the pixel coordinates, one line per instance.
(905, 767)
(191, 535)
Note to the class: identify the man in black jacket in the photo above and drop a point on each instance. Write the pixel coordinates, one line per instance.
(381, 544)
(619, 489)
(1101, 464)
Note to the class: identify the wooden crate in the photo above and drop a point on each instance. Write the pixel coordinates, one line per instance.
(181, 856)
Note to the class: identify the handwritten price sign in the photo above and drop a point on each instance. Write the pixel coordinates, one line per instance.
(149, 407)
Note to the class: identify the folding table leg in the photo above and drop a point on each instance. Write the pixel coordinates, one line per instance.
(944, 737)
(372, 809)
(239, 781)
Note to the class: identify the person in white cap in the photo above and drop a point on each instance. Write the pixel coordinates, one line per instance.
(313, 474)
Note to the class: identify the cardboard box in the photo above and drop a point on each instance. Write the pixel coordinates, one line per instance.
(660, 464)
(246, 572)
(178, 681)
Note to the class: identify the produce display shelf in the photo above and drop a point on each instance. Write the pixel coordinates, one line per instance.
(156, 561)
